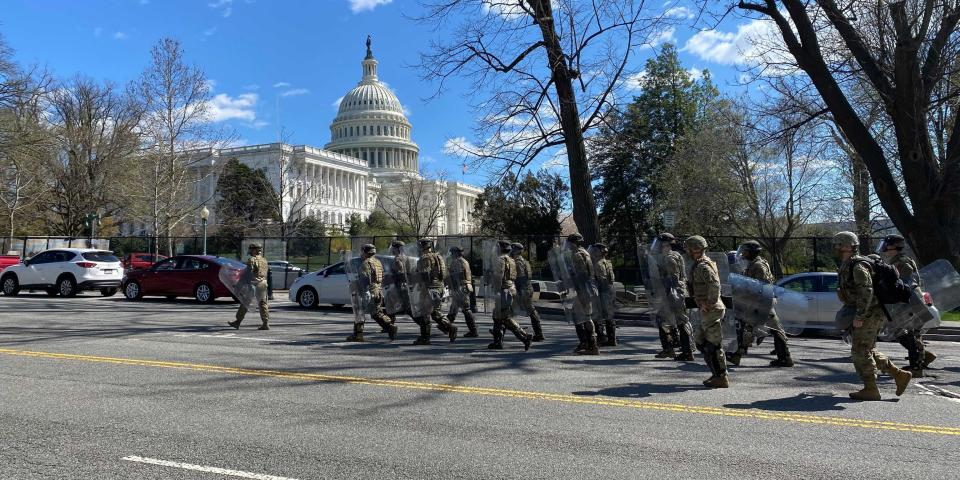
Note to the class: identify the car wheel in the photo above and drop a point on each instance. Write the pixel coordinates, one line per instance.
(337, 305)
(10, 285)
(307, 297)
(67, 287)
(203, 293)
(51, 292)
(108, 292)
(132, 291)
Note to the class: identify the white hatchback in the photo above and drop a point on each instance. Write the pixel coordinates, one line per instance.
(329, 285)
(65, 272)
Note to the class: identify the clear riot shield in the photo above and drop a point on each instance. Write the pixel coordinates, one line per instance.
(488, 252)
(417, 291)
(942, 282)
(752, 305)
(723, 269)
(394, 293)
(789, 301)
(359, 296)
(236, 277)
(656, 290)
(557, 259)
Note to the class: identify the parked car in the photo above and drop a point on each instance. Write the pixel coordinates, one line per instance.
(137, 261)
(284, 273)
(8, 261)
(65, 272)
(194, 276)
(328, 285)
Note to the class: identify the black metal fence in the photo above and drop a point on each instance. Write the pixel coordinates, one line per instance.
(798, 255)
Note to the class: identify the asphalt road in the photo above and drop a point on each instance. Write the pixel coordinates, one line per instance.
(103, 388)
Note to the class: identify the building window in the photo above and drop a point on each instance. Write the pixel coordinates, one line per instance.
(364, 129)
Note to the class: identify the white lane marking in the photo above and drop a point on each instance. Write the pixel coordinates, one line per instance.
(201, 468)
(222, 335)
(938, 392)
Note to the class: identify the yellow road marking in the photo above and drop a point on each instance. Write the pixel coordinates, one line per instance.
(554, 397)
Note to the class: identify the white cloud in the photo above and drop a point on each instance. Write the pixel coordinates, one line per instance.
(281, 85)
(667, 35)
(224, 107)
(211, 84)
(507, 10)
(336, 103)
(225, 7)
(258, 124)
(460, 147)
(635, 81)
(120, 36)
(295, 92)
(406, 110)
(679, 12)
(210, 31)
(357, 6)
(731, 48)
(695, 73)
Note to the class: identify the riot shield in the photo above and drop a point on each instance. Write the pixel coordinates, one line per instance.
(942, 283)
(656, 290)
(236, 277)
(559, 266)
(394, 288)
(489, 252)
(752, 305)
(793, 309)
(723, 269)
(417, 291)
(359, 294)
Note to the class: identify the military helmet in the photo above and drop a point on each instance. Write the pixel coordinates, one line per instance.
(456, 249)
(600, 247)
(517, 246)
(397, 244)
(425, 243)
(752, 246)
(575, 237)
(255, 246)
(667, 237)
(846, 239)
(696, 242)
(504, 245)
(369, 248)
(874, 257)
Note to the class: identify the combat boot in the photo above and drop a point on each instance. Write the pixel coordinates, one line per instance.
(497, 343)
(734, 358)
(915, 372)
(392, 331)
(263, 327)
(583, 341)
(686, 352)
(666, 353)
(611, 336)
(601, 335)
(357, 333)
(900, 377)
(452, 332)
(928, 358)
(685, 357)
(783, 352)
(592, 347)
(471, 325)
(537, 328)
(424, 338)
(235, 324)
(717, 382)
(869, 392)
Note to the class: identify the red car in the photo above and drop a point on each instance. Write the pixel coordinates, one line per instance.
(137, 261)
(8, 261)
(196, 276)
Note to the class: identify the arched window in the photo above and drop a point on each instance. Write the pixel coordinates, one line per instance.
(364, 129)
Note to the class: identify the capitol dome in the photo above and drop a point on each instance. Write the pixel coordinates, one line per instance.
(371, 125)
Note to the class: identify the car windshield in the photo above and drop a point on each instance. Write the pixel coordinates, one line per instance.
(108, 257)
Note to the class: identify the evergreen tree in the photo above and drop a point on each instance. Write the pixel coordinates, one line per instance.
(245, 199)
(514, 207)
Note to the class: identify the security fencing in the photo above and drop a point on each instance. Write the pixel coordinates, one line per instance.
(799, 254)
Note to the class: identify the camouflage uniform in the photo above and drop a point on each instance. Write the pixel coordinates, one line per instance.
(759, 269)
(461, 285)
(399, 277)
(257, 269)
(918, 356)
(432, 272)
(603, 303)
(582, 275)
(504, 295)
(525, 290)
(679, 331)
(370, 283)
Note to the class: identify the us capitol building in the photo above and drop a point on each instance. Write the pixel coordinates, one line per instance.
(368, 164)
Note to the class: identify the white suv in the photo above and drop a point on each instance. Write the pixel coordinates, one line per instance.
(65, 271)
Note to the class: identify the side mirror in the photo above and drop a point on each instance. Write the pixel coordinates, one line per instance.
(326, 273)
(26, 262)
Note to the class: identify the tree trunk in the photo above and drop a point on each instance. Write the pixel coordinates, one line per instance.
(860, 179)
(581, 189)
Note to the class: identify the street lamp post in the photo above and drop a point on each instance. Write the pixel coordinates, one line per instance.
(204, 215)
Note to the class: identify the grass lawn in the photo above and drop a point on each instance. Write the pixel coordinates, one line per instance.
(950, 316)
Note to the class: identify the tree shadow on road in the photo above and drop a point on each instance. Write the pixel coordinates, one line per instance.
(801, 402)
(638, 390)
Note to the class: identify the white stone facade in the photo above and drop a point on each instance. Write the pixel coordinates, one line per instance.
(370, 153)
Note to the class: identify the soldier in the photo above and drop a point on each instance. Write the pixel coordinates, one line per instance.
(758, 269)
(256, 274)
(399, 269)
(505, 291)
(370, 289)
(461, 285)
(856, 291)
(679, 331)
(581, 273)
(891, 248)
(603, 304)
(705, 289)
(525, 289)
(431, 274)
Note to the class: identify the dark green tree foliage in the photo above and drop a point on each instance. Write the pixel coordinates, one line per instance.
(245, 199)
(630, 151)
(514, 207)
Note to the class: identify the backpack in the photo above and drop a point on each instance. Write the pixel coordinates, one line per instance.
(887, 285)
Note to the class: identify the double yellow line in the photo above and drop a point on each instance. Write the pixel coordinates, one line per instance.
(497, 392)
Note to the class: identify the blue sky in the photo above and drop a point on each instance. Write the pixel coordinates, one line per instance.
(306, 54)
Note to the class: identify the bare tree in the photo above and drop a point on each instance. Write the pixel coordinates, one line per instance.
(906, 54)
(415, 204)
(177, 120)
(549, 71)
(96, 134)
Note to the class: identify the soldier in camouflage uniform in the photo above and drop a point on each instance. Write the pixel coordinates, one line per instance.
(399, 278)
(856, 291)
(431, 273)
(603, 304)
(504, 295)
(674, 279)
(757, 268)
(581, 271)
(705, 289)
(460, 282)
(891, 248)
(525, 289)
(370, 285)
(256, 274)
